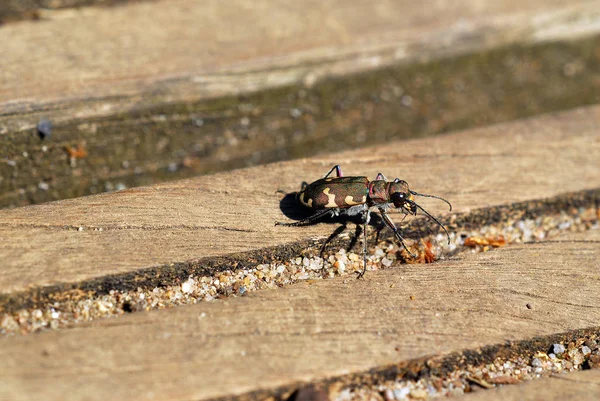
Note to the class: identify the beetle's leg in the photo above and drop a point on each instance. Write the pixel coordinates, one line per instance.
(338, 171)
(308, 220)
(366, 218)
(380, 176)
(392, 227)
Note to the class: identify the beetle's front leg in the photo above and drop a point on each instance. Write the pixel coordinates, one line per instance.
(388, 222)
(366, 219)
(310, 219)
(338, 171)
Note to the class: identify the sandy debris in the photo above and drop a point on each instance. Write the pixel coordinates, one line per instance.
(581, 354)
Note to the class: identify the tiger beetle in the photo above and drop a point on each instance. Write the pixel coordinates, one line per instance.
(350, 196)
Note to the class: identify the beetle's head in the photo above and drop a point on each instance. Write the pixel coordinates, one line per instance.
(401, 196)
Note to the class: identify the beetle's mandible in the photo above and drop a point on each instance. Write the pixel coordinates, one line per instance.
(332, 196)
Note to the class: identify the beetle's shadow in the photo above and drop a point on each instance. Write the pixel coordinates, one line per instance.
(293, 210)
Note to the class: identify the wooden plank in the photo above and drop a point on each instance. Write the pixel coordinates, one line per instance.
(573, 386)
(121, 51)
(223, 214)
(311, 331)
(138, 75)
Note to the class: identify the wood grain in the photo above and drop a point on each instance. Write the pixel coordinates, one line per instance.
(99, 61)
(235, 212)
(156, 91)
(573, 386)
(313, 331)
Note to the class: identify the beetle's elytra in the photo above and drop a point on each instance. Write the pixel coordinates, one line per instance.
(332, 196)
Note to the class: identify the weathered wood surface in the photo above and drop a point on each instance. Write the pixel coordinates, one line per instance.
(195, 87)
(311, 331)
(574, 386)
(235, 212)
(178, 50)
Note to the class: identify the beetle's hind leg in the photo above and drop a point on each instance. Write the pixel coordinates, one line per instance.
(310, 219)
(338, 171)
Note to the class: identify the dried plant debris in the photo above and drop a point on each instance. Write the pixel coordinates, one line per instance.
(485, 243)
(584, 353)
(277, 274)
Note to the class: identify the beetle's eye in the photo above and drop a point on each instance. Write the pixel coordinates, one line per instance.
(399, 197)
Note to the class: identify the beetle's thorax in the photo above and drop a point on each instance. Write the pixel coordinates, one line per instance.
(378, 192)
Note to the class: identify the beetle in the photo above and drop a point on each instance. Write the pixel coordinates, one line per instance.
(351, 196)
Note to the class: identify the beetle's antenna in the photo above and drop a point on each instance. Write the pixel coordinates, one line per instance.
(436, 220)
(431, 196)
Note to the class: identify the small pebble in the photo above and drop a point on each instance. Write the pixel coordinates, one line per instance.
(558, 349)
(418, 394)
(402, 393)
(457, 391)
(44, 129)
(295, 113)
(188, 286)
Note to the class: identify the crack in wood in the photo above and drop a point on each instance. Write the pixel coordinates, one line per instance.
(429, 366)
(127, 227)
